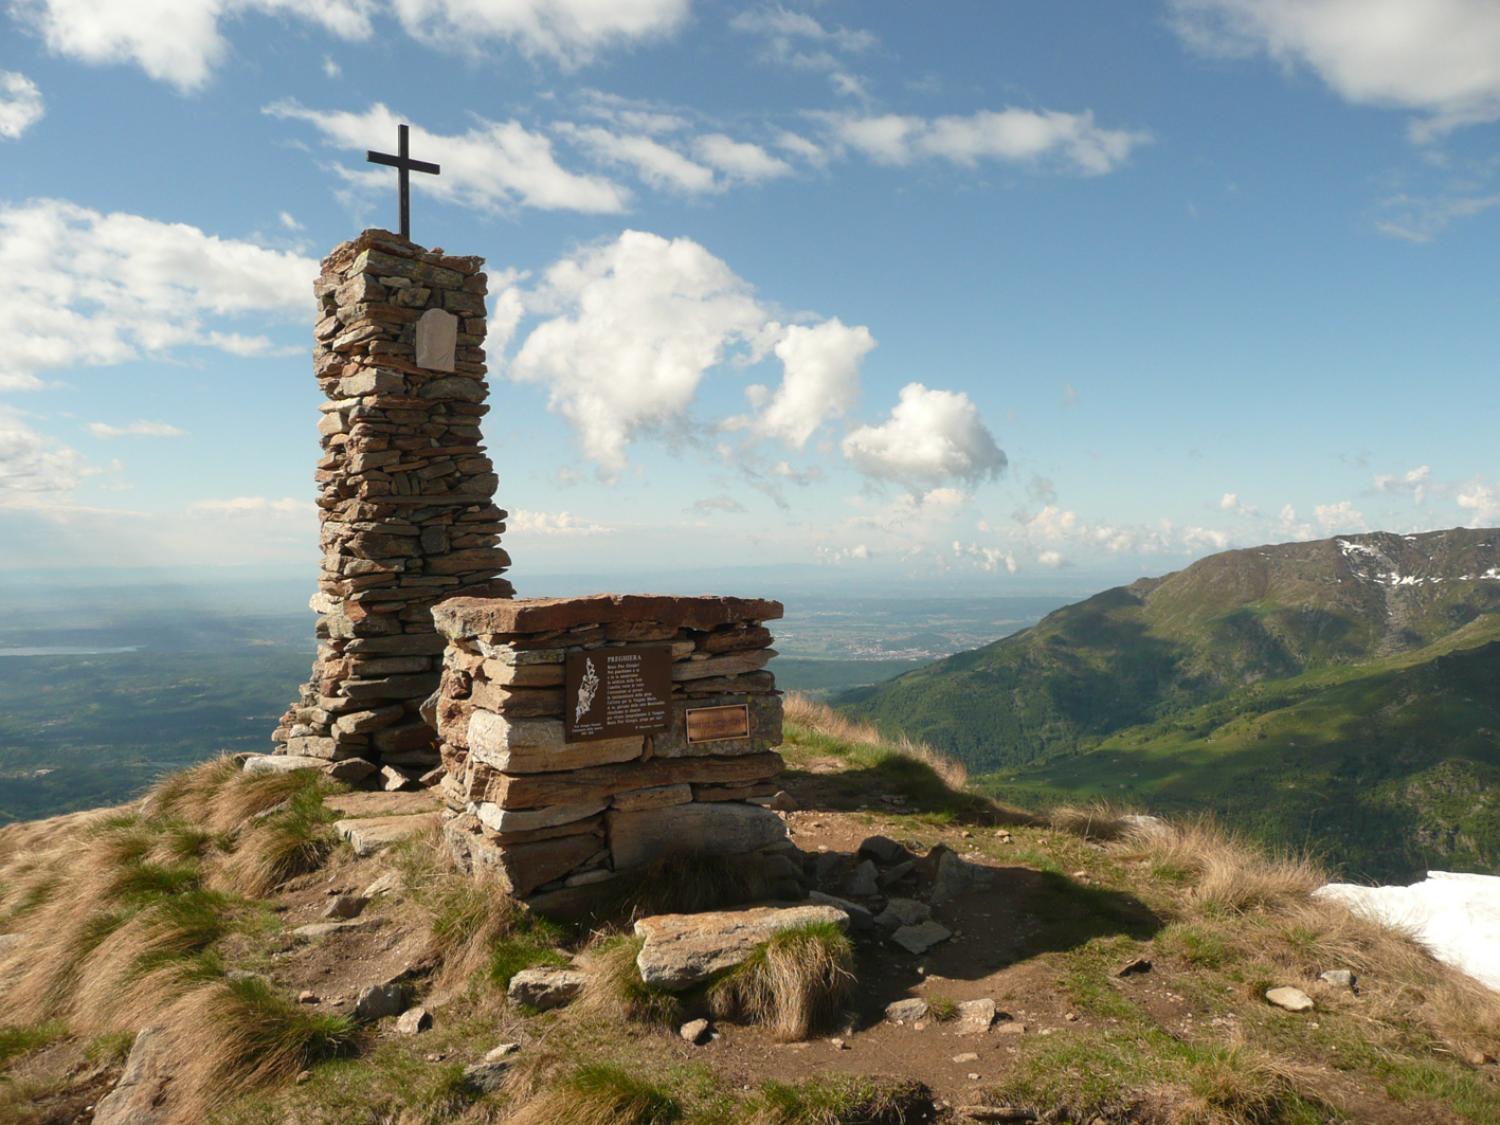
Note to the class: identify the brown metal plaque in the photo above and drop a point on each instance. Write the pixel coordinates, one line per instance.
(717, 724)
(616, 692)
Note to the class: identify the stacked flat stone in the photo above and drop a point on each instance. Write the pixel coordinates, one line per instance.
(547, 816)
(405, 500)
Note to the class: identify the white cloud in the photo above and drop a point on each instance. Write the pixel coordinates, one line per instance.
(90, 289)
(654, 162)
(858, 552)
(711, 504)
(570, 31)
(988, 559)
(800, 147)
(1023, 136)
(175, 41)
(1050, 558)
(555, 524)
(1421, 220)
(821, 380)
(932, 436)
(1205, 539)
(1440, 58)
(32, 463)
(1231, 502)
(1340, 517)
(182, 42)
(20, 104)
(288, 220)
(1482, 499)
(134, 429)
(1291, 527)
(331, 69)
(740, 160)
(787, 27)
(495, 165)
(1414, 482)
(653, 313)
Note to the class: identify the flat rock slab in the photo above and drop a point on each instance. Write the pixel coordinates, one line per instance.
(920, 938)
(467, 617)
(138, 1095)
(544, 989)
(1290, 999)
(698, 828)
(283, 763)
(370, 835)
(313, 931)
(381, 804)
(682, 950)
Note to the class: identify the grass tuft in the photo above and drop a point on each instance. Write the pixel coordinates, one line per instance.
(793, 983)
(615, 987)
(601, 1094)
(841, 1100)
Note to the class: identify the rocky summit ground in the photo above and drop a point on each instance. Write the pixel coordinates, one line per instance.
(223, 952)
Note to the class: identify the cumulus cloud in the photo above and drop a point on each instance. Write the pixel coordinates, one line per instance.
(1053, 528)
(639, 322)
(1481, 498)
(930, 438)
(20, 104)
(858, 552)
(1439, 58)
(1340, 517)
(988, 559)
(1291, 527)
(31, 463)
(134, 429)
(708, 505)
(1051, 558)
(1018, 136)
(1414, 482)
(496, 165)
(182, 42)
(1231, 502)
(821, 380)
(90, 289)
(556, 524)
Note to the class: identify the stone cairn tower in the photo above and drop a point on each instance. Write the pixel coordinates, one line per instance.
(406, 499)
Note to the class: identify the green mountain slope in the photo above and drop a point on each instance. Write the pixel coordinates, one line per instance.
(1344, 693)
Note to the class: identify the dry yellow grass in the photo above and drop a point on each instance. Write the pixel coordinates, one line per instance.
(822, 719)
(795, 982)
(1098, 821)
(599, 1094)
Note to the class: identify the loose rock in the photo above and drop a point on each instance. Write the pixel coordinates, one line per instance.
(1290, 999)
(920, 938)
(545, 989)
(694, 1031)
(414, 1020)
(906, 1011)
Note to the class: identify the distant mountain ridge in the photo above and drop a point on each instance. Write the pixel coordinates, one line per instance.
(1365, 641)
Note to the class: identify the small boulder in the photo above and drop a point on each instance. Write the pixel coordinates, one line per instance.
(1339, 978)
(920, 938)
(414, 1020)
(782, 801)
(694, 1031)
(503, 1051)
(486, 1077)
(906, 1011)
(893, 875)
(316, 930)
(308, 997)
(882, 850)
(386, 884)
(975, 1017)
(379, 1001)
(966, 1057)
(682, 950)
(860, 919)
(350, 769)
(1290, 999)
(1134, 967)
(345, 906)
(138, 1095)
(545, 989)
(900, 912)
(863, 881)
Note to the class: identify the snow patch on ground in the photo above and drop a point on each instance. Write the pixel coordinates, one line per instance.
(1456, 916)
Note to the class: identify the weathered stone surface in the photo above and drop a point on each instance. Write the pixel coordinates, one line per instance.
(345, 906)
(537, 746)
(315, 931)
(730, 664)
(882, 850)
(282, 763)
(682, 950)
(414, 1020)
(900, 912)
(479, 616)
(1290, 999)
(636, 838)
(508, 821)
(906, 1011)
(694, 1031)
(974, 1017)
(380, 804)
(861, 882)
(368, 836)
(524, 791)
(1339, 978)
(921, 937)
(545, 989)
(138, 1097)
(656, 798)
(379, 1001)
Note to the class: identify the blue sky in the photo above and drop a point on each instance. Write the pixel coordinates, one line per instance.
(1008, 294)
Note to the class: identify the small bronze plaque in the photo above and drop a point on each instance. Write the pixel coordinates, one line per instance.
(718, 724)
(615, 692)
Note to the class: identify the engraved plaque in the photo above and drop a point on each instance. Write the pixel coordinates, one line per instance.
(718, 724)
(615, 692)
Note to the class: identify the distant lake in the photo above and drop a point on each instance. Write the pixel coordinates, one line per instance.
(66, 650)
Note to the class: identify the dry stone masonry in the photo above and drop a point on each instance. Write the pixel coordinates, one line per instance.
(586, 737)
(406, 498)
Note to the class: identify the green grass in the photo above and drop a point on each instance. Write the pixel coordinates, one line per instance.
(836, 1100)
(17, 1041)
(532, 944)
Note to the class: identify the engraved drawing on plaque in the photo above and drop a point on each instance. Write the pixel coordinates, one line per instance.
(617, 692)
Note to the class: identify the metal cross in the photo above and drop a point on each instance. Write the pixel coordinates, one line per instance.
(404, 165)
